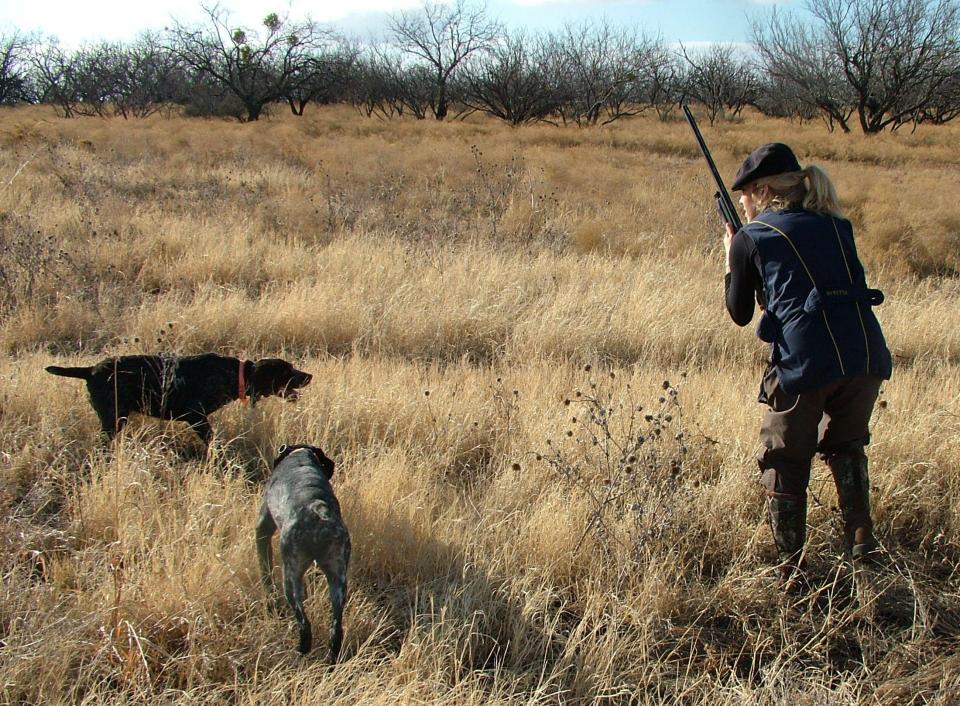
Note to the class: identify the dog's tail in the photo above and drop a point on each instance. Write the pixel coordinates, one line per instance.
(82, 373)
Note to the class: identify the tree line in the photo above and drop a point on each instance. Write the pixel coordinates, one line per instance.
(872, 64)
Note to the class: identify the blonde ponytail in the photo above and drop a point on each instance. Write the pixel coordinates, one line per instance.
(821, 193)
(810, 188)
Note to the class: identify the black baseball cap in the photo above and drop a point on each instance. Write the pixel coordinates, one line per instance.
(766, 160)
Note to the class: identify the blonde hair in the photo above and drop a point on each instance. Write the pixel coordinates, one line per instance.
(811, 188)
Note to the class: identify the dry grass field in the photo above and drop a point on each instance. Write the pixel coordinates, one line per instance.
(492, 316)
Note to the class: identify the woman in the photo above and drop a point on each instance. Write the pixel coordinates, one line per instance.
(797, 257)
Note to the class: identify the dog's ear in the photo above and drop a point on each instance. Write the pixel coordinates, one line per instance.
(326, 463)
(261, 377)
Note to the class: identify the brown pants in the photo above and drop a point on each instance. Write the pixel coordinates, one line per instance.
(829, 419)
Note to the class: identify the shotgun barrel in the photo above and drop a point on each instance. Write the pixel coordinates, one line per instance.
(728, 212)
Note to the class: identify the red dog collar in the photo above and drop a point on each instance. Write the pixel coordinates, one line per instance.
(242, 384)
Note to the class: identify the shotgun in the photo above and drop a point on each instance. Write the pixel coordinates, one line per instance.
(728, 211)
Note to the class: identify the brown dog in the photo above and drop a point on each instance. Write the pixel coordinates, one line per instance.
(182, 388)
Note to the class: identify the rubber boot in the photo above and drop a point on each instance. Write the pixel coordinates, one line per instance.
(849, 469)
(788, 520)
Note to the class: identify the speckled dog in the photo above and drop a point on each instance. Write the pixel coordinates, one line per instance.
(299, 501)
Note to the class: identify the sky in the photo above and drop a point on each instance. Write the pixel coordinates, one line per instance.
(75, 22)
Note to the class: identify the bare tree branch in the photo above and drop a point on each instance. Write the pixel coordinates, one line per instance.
(258, 66)
(443, 37)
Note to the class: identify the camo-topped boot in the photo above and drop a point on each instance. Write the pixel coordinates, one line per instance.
(849, 470)
(788, 520)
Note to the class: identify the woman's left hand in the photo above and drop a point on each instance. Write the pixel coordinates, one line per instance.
(727, 238)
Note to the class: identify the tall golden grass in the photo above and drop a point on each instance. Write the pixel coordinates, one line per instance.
(448, 285)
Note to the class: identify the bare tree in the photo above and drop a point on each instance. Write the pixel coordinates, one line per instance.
(107, 78)
(104, 79)
(601, 66)
(883, 60)
(373, 90)
(663, 86)
(95, 78)
(636, 64)
(512, 81)
(323, 78)
(805, 65)
(780, 99)
(53, 76)
(387, 86)
(720, 79)
(258, 67)
(943, 107)
(14, 76)
(443, 37)
(132, 80)
(148, 78)
(415, 89)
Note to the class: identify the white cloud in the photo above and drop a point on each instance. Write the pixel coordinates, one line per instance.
(335, 11)
(578, 3)
(76, 22)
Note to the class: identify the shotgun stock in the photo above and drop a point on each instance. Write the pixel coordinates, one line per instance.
(728, 212)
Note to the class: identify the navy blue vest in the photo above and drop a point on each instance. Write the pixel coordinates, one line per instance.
(818, 318)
